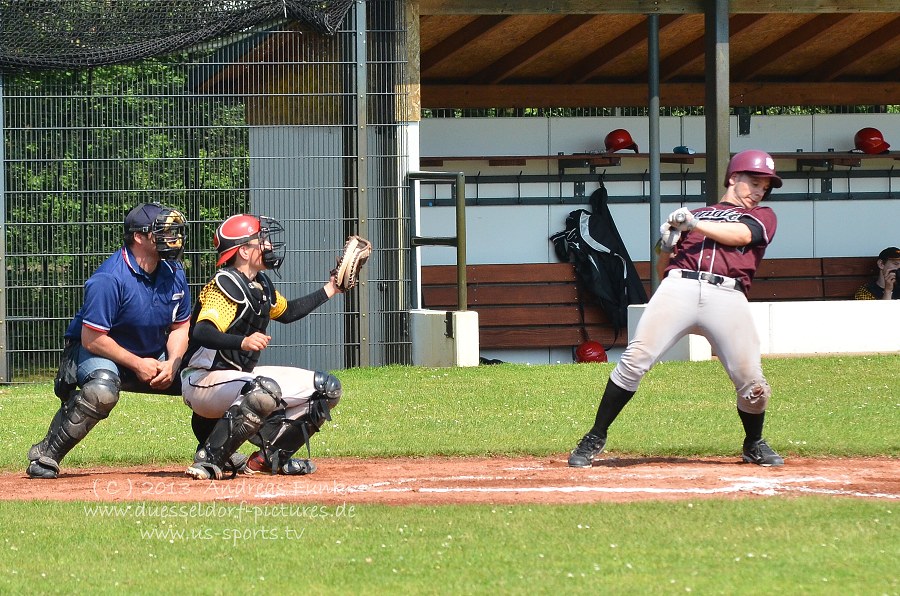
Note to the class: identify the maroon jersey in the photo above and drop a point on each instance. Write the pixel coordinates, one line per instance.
(696, 252)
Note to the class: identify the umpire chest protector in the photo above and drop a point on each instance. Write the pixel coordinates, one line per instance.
(255, 300)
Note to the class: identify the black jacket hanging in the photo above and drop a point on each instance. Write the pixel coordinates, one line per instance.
(593, 245)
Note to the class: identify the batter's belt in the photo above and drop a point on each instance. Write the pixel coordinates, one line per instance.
(712, 278)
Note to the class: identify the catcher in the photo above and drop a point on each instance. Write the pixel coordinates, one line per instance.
(277, 408)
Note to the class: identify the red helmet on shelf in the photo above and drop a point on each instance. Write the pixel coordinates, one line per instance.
(870, 140)
(619, 139)
(590, 351)
(756, 163)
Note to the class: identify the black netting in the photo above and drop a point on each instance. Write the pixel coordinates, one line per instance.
(83, 33)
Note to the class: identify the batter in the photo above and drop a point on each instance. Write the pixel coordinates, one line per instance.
(709, 257)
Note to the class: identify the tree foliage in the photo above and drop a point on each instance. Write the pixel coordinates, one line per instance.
(81, 149)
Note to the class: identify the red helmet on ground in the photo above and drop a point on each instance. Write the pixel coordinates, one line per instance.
(239, 230)
(619, 139)
(870, 140)
(590, 351)
(756, 163)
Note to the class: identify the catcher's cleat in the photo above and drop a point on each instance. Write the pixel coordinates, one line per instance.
(293, 467)
(237, 463)
(44, 468)
(588, 448)
(204, 471)
(761, 454)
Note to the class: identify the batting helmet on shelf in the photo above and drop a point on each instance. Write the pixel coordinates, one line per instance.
(590, 351)
(619, 139)
(870, 140)
(239, 230)
(756, 163)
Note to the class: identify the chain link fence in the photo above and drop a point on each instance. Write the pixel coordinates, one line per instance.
(280, 120)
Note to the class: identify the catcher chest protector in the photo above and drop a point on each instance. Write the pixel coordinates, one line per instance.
(603, 268)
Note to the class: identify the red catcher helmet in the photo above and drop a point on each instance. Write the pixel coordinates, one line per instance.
(756, 163)
(238, 230)
(590, 351)
(870, 140)
(619, 139)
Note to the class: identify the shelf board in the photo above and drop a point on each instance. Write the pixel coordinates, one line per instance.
(574, 160)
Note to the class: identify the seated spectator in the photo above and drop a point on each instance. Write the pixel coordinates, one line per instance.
(884, 286)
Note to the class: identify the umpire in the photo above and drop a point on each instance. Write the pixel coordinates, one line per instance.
(130, 334)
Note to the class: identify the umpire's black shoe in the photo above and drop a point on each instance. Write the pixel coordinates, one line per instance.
(588, 448)
(761, 454)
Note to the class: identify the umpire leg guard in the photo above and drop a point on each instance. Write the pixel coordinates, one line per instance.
(280, 437)
(73, 421)
(257, 401)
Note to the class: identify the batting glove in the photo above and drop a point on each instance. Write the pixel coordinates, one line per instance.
(668, 238)
(682, 219)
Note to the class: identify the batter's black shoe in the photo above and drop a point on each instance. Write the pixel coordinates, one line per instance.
(761, 454)
(43, 467)
(588, 448)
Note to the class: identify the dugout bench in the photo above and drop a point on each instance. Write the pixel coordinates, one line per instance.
(536, 305)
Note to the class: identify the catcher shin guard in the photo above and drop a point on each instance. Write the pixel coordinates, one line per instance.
(73, 421)
(242, 420)
(281, 437)
(328, 387)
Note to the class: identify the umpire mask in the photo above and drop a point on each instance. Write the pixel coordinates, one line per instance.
(167, 225)
(169, 232)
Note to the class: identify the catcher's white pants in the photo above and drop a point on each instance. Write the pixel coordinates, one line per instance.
(681, 306)
(210, 393)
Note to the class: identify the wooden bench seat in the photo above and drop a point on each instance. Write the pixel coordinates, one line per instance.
(536, 305)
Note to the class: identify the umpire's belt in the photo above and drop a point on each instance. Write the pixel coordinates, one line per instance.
(716, 280)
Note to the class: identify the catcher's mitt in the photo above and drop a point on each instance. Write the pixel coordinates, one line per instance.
(356, 252)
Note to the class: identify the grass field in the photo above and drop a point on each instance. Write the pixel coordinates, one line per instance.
(822, 407)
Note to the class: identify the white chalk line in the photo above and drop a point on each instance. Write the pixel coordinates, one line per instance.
(751, 485)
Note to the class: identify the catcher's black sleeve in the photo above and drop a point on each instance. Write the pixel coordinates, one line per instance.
(210, 337)
(300, 307)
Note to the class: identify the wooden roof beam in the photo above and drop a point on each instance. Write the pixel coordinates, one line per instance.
(519, 7)
(453, 95)
(585, 68)
(774, 51)
(452, 44)
(531, 50)
(833, 66)
(671, 66)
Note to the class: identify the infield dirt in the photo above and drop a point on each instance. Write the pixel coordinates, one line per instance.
(436, 481)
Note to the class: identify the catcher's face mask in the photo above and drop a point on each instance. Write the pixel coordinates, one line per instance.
(271, 243)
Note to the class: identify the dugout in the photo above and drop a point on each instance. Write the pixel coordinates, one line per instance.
(319, 117)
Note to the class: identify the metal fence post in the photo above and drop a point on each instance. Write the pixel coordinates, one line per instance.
(4, 364)
(459, 240)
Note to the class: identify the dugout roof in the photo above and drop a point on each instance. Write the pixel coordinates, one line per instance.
(578, 53)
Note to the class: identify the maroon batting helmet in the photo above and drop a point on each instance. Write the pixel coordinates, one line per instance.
(590, 351)
(755, 163)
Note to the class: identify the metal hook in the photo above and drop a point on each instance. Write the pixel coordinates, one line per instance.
(519, 188)
(477, 188)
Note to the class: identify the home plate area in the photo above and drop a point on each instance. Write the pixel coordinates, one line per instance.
(460, 480)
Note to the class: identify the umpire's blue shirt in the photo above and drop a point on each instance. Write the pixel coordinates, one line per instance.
(134, 308)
